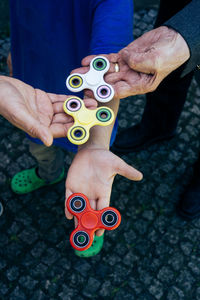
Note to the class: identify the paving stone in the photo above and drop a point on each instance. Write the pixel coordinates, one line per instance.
(105, 290)
(3, 289)
(175, 293)
(28, 282)
(91, 287)
(28, 236)
(12, 273)
(18, 294)
(198, 293)
(38, 249)
(50, 257)
(165, 275)
(2, 178)
(39, 271)
(156, 289)
(195, 267)
(186, 247)
(134, 285)
(123, 294)
(39, 295)
(82, 268)
(186, 280)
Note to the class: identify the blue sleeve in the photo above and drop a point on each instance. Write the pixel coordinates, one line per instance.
(112, 26)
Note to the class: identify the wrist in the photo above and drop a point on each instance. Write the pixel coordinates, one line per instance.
(181, 44)
(92, 146)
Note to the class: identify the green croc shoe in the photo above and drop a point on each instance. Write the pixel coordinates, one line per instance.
(94, 249)
(27, 181)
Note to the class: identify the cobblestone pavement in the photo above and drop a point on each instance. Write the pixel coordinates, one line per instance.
(152, 255)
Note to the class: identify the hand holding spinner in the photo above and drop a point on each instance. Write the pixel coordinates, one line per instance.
(84, 119)
(89, 220)
(93, 80)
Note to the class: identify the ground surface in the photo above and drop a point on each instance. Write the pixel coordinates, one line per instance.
(152, 255)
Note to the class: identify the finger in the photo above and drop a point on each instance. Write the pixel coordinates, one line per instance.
(100, 232)
(88, 94)
(62, 118)
(103, 202)
(60, 130)
(122, 90)
(75, 222)
(81, 70)
(43, 133)
(86, 60)
(123, 169)
(93, 204)
(113, 77)
(58, 107)
(113, 57)
(144, 62)
(58, 97)
(68, 215)
(90, 103)
(25, 121)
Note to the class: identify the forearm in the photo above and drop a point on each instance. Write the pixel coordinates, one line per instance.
(100, 135)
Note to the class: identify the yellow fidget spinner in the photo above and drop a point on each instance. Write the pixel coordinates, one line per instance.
(84, 119)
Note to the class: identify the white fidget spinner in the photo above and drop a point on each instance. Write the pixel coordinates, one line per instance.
(93, 80)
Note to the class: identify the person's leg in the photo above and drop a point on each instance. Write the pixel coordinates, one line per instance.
(163, 106)
(189, 204)
(50, 161)
(49, 170)
(161, 114)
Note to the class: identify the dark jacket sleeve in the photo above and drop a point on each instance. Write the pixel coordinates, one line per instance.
(187, 23)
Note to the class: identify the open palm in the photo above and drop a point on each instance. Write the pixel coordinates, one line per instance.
(92, 173)
(38, 113)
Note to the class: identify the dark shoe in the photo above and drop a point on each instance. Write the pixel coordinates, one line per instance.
(189, 205)
(137, 137)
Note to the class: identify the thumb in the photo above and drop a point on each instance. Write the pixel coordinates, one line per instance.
(123, 169)
(44, 134)
(144, 62)
(26, 122)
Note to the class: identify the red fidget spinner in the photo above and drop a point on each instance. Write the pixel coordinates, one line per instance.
(89, 220)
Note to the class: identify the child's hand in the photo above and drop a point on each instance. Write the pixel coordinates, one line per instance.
(92, 173)
(38, 113)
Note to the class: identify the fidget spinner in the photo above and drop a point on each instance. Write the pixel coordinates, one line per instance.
(93, 80)
(84, 119)
(89, 220)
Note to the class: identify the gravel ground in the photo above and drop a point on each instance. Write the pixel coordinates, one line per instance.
(152, 255)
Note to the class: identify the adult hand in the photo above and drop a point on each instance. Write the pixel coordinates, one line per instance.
(38, 113)
(144, 63)
(92, 173)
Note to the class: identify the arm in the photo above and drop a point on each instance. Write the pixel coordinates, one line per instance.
(186, 22)
(94, 167)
